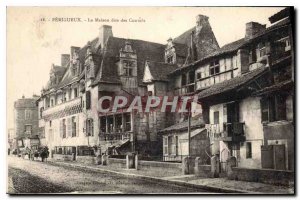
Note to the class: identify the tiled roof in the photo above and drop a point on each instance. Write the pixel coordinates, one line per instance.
(181, 49)
(231, 84)
(196, 122)
(145, 51)
(184, 38)
(65, 71)
(274, 88)
(159, 70)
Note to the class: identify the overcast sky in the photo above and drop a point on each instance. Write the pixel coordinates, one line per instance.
(32, 45)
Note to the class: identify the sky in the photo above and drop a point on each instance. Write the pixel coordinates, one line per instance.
(33, 45)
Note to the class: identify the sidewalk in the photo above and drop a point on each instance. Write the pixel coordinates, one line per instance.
(222, 185)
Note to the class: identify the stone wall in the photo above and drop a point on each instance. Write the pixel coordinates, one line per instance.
(86, 159)
(116, 162)
(276, 177)
(61, 157)
(171, 168)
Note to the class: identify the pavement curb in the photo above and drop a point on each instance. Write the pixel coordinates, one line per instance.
(174, 182)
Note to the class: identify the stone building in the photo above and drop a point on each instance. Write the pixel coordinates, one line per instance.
(111, 66)
(246, 90)
(25, 120)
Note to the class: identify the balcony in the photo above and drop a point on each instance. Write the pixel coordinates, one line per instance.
(67, 108)
(229, 132)
(115, 136)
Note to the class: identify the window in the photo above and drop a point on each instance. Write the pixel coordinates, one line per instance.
(118, 123)
(89, 127)
(41, 112)
(88, 99)
(214, 68)
(191, 76)
(127, 122)
(64, 128)
(248, 150)
(165, 145)
(262, 51)
(75, 92)
(252, 56)
(128, 68)
(216, 117)
(74, 127)
(175, 145)
(64, 98)
(170, 59)
(27, 114)
(183, 79)
(74, 70)
(103, 124)
(199, 75)
(52, 102)
(273, 108)
(50, 123)
(28, 129)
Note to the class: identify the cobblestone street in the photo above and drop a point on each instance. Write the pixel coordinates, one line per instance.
(36, 177)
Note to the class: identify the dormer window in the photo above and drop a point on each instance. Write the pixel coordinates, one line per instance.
(74, 70)
(128, 68)
(170, 59)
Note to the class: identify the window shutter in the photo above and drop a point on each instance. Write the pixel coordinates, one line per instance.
(88, 99)
(85, 127)
(77, 126)
(61, 128)
(92, 127)
(69, 127)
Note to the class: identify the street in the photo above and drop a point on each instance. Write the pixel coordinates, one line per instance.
(26, 176)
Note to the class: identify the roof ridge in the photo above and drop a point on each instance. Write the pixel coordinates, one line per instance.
(137, 40)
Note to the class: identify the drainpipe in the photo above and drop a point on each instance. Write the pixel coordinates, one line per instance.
(189, 132)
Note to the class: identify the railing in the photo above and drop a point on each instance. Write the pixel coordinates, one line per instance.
(115, 136)
(228, 131)
(68, 105)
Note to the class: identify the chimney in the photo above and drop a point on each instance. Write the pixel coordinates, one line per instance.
(201, 20)
(104, 33)
(65, 58)
(253, 28)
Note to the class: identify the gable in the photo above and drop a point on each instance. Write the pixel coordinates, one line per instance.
(147, 75)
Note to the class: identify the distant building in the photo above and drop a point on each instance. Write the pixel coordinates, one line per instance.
(26, 119)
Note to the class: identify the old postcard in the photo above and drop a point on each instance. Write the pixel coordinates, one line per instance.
(150, 100)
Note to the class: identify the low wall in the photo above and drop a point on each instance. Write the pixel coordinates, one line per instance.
(276, 177)
(116, 162)
(62, 157)
(86, 159)
(160, 167)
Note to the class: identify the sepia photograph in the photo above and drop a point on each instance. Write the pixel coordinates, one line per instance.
(150, 100)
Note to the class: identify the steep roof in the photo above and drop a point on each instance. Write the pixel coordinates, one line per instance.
(185, 38)
(65, 70)
(181, 49)
(145, 51)
(160, 71)
(231, 84)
